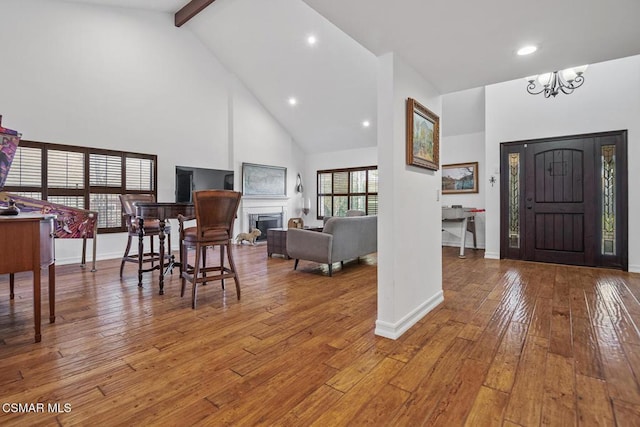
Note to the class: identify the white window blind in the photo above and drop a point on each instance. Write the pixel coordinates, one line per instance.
(105, 170)
(341, 182)
(372, 181)
(65, 168)
(72, 201)
(31, 194)
(324, 183)
(139, 174)
(108, 208)
(26, 169)
(358, 181)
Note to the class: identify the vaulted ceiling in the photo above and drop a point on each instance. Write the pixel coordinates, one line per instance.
(456, 45)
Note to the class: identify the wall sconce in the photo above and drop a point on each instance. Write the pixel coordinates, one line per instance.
(306, 207)
(299, 186)
(492, 180)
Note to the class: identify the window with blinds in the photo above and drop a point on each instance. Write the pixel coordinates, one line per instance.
(140, 174)
(105, 170)
(82, 177)
(340, 190)
(26, 169)
(65, 169)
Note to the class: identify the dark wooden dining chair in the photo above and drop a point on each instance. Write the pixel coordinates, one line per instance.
(151, 229)
(215, 213)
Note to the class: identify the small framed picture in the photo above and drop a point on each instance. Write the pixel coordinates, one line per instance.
(460, 178)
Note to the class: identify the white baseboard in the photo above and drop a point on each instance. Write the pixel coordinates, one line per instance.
(492, 255)
(395, 330)
(77, 259)
(634, 269)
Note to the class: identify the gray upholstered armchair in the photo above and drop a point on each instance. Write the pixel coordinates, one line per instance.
(341, 239)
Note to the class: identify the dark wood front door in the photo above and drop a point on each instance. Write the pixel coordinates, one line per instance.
(559, 210)
(565, 200)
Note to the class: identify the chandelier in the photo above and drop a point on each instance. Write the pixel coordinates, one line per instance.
(551, 84)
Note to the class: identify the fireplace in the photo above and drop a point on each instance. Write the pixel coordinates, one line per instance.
(264, 221)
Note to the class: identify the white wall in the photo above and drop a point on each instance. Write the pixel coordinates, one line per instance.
(609, 100)
(409, 232)
(465, 148)
(258, 138)
(128, 80)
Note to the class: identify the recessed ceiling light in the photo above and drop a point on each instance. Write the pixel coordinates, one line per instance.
(527, 50)
(312, 40)
(366, 124)
(293, 101)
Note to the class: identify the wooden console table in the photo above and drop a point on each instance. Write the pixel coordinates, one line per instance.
(27, 244)
(277, 240)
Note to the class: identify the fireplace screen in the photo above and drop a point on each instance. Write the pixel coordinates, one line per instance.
(263, 222)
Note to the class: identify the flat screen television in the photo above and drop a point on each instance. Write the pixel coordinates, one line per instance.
(190, 179)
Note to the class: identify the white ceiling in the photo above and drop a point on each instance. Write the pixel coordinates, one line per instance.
(264, 44)
(168, 6)
(454, 44)
(461, 44)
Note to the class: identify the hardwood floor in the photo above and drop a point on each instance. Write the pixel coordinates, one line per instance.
(514, 344)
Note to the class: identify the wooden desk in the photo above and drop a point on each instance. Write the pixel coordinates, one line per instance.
(26, 244)
(466, 218)
(161, 211)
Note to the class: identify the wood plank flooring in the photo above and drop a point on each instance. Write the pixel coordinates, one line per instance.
(514, 344)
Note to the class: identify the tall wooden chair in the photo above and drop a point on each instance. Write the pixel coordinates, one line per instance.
(151, 229)
(215, 214)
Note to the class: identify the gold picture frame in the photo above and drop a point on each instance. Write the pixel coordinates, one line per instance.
(423, 136)
(460, 178)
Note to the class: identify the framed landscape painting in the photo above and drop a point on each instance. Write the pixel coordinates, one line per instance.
(423, 136)
(460, 178)
(263, 181)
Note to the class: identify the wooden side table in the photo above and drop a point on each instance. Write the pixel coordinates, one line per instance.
(27, 244)
(277, 242)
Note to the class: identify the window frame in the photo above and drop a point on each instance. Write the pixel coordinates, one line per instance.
(349, 194)
(87, 189)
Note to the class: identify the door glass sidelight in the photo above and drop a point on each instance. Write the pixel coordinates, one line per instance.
(608, 158)
(514, 200)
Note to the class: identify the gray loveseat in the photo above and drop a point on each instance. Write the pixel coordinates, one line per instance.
(342, 238)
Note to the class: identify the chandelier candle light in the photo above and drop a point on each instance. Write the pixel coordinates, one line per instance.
(551, 84)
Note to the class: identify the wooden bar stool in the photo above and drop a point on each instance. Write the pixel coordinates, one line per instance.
(151, 229)
(215, 214)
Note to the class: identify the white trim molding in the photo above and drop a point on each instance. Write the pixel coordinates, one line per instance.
(491, 255)
(395, 330)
